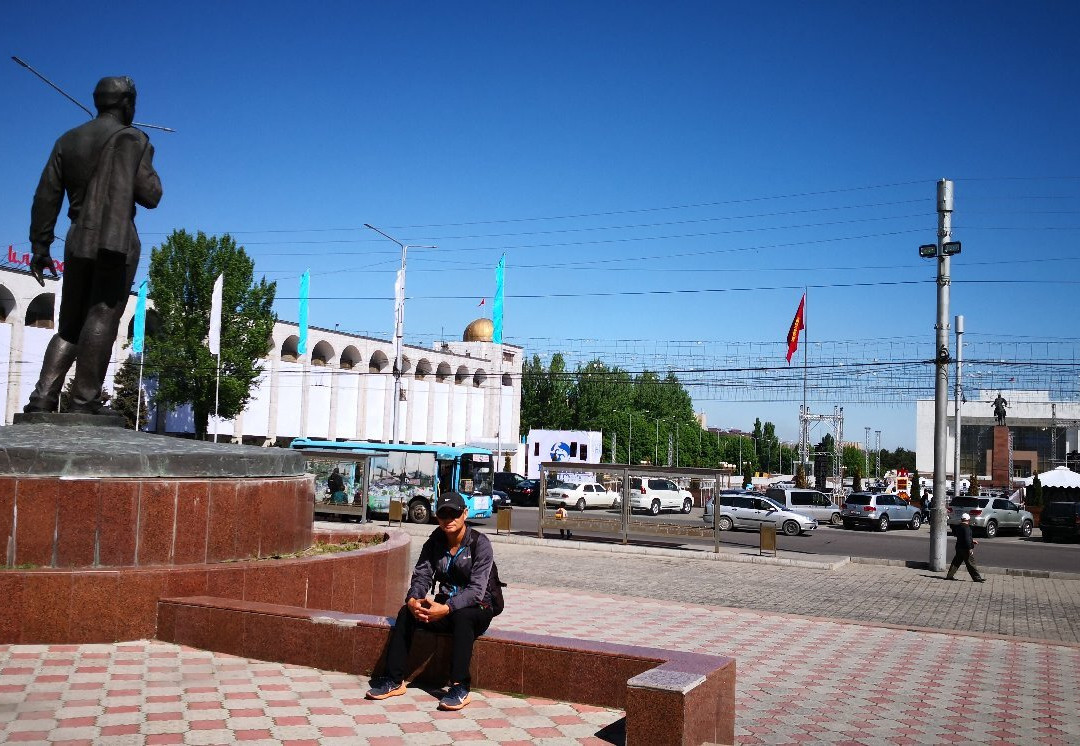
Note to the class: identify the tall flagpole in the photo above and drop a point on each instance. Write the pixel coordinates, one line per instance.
(399, 326)
(217, 391)
(804, 425)
(139, 343)
(138, 393)
(214, 341)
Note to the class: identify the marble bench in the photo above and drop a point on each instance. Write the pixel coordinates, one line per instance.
(669, 697)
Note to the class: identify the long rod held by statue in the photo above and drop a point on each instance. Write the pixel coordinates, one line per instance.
(61, 91)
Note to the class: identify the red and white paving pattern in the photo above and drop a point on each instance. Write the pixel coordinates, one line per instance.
(149, 692)
(800, 680)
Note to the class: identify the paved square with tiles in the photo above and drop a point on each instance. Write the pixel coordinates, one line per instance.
(149, 692)
(806, 674)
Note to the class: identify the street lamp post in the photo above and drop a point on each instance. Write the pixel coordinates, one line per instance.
(630, 434)
(399, 326)
(656, 445)
(942, 251)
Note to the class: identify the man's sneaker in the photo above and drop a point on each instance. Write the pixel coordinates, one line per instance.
(980, 580)
(456, 697)
(384, 687)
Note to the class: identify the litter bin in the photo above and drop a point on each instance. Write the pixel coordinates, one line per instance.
(395, 511)
(767, 540)
(502, 519)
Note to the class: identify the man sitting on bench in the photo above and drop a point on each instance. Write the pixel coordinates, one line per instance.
(459, 559)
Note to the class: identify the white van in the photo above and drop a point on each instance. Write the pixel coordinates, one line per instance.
(808, 502)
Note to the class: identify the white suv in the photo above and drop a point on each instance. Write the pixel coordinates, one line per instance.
(654, 494)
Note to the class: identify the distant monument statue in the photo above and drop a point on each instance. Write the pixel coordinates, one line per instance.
(999, 408)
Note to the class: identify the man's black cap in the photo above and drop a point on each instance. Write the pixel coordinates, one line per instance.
(450, 502)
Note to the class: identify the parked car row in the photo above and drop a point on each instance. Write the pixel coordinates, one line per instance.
(518, 489)
(648, 494)
(795, 510)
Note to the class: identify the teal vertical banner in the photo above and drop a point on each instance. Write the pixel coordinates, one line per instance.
(497, 306)
(138, 337)
(305, 284)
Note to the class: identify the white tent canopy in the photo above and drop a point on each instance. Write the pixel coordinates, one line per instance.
(1060, 477)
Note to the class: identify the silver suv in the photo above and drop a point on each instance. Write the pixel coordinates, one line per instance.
(749, 510)
(879, 511)
(808, 502)
(991, 514)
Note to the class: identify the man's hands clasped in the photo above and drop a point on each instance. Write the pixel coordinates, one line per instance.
(426, 610)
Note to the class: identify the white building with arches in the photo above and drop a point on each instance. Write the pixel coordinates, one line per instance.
(459, 392)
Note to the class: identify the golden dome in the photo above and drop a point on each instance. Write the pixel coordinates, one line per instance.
(478, 331)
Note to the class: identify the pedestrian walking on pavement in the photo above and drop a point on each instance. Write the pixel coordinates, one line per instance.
(965, 551)
(460, 559)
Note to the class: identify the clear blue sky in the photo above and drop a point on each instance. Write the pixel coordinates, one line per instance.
(605, 148)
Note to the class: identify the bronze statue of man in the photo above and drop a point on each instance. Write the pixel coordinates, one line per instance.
(999, 408)
(105, 167)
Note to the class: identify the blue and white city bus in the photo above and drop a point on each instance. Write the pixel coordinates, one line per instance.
(416, 474)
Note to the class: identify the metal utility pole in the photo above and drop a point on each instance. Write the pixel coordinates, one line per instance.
(399, 326)
(957, 396)
(866, 472)
(943, 250)
(877, 454)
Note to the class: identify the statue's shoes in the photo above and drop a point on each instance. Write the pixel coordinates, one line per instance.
(31, 408)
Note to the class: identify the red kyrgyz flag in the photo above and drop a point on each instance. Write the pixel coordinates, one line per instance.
(797, 325)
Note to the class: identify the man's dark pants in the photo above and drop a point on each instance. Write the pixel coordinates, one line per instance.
(94, 298)
(967, 558)
(465, 625)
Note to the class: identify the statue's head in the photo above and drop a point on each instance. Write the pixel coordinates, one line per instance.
(116, 94)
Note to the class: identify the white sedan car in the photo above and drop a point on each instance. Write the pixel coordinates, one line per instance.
(580, 496)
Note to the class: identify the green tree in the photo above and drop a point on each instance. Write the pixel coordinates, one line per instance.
(856, 479)
(1033, 497)
(916, 488)
(532, 394)
(973, 485)
(853, 458)
(748, 474)
(901, 458)
(182, 274)
(126, 399)
(800, 477)
(560, 386)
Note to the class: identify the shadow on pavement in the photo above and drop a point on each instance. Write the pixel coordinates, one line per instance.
(614, 733)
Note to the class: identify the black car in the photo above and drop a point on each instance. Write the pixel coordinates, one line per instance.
(1060, 520)
(520, 490)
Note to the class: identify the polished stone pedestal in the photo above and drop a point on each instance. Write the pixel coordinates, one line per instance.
(999, 464)
(100, 520)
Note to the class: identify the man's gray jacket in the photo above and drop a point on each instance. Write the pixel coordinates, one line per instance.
(462, 577)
